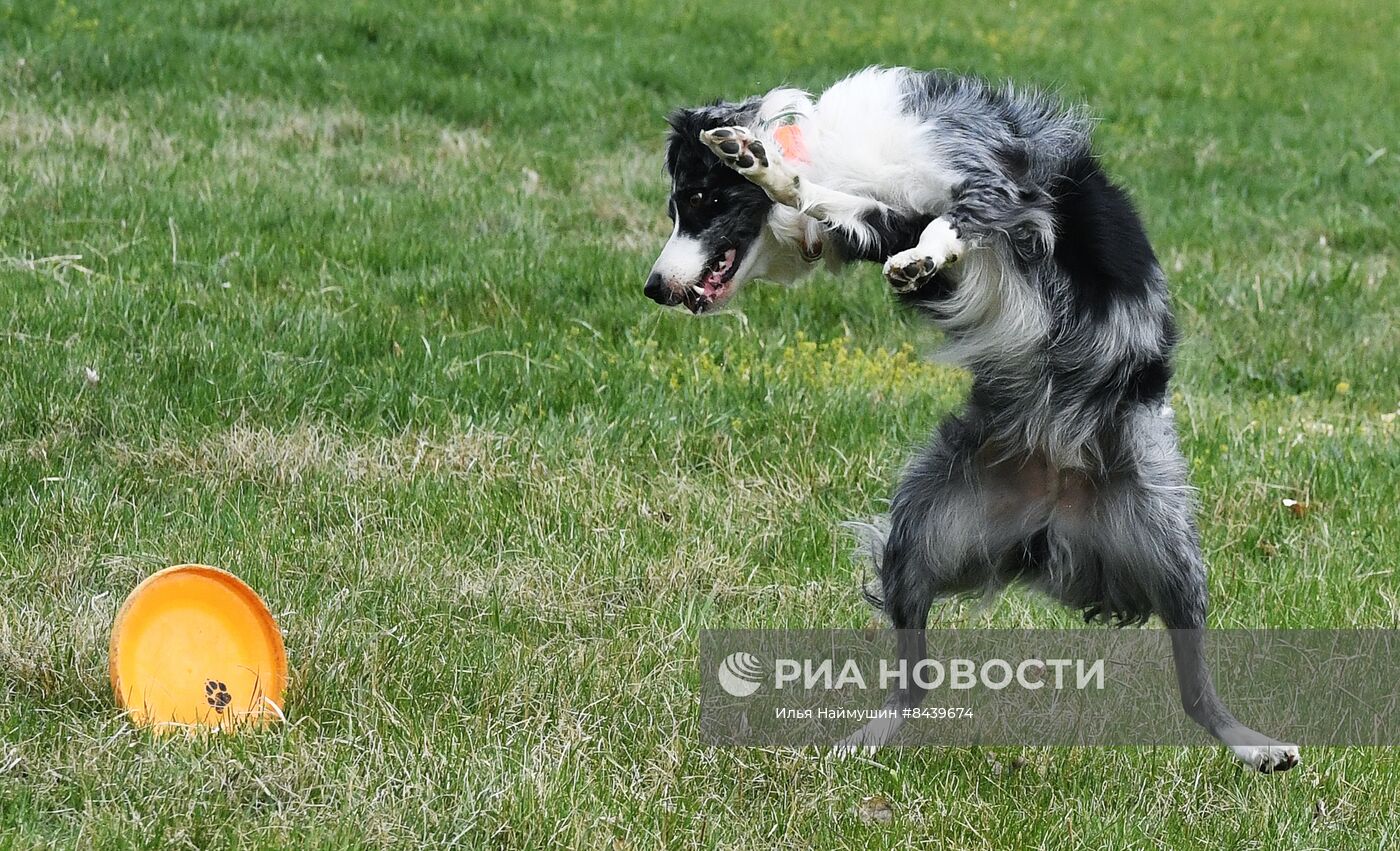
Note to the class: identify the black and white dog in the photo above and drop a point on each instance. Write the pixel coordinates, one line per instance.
(993, 219)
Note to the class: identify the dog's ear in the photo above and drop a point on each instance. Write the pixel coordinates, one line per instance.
(687, 122)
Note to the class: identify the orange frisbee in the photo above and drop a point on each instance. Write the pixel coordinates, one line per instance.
(193, 646)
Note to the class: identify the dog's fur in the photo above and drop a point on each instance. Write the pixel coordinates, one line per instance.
(994, 220)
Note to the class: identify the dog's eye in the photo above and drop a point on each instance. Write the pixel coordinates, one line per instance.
(696, 199)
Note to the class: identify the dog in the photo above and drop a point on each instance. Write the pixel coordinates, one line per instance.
(993, 219)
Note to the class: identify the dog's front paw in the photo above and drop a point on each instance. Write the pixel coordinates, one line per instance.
(939, 246)
(739, 149)
(909, 270)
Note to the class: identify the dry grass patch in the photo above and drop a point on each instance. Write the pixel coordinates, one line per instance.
(27, 128)
(57, 650)
(462, 143)
(286, 457)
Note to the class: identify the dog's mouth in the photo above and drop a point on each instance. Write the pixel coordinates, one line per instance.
(716, 284)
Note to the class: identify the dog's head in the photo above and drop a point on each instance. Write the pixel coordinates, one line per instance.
(719, 216)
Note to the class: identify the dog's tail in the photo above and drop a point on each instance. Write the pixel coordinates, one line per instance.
(870, 537)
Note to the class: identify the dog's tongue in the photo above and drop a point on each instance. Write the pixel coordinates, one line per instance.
(715, 279)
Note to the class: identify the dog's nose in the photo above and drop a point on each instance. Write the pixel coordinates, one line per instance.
(657, 291)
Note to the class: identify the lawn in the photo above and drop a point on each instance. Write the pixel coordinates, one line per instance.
(346, 298)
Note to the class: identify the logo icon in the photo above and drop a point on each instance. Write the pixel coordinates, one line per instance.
(740, 674)
(216, 695)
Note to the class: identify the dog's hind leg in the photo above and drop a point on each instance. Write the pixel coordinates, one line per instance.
(1181, 604)
(1145, 529)
(1204, 706)
(952, 516)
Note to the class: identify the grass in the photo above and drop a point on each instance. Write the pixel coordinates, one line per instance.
(346, 298)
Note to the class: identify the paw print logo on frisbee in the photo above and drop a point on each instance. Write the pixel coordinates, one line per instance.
(216, 695)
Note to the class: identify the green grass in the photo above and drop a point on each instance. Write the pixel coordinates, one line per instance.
(361, 285)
